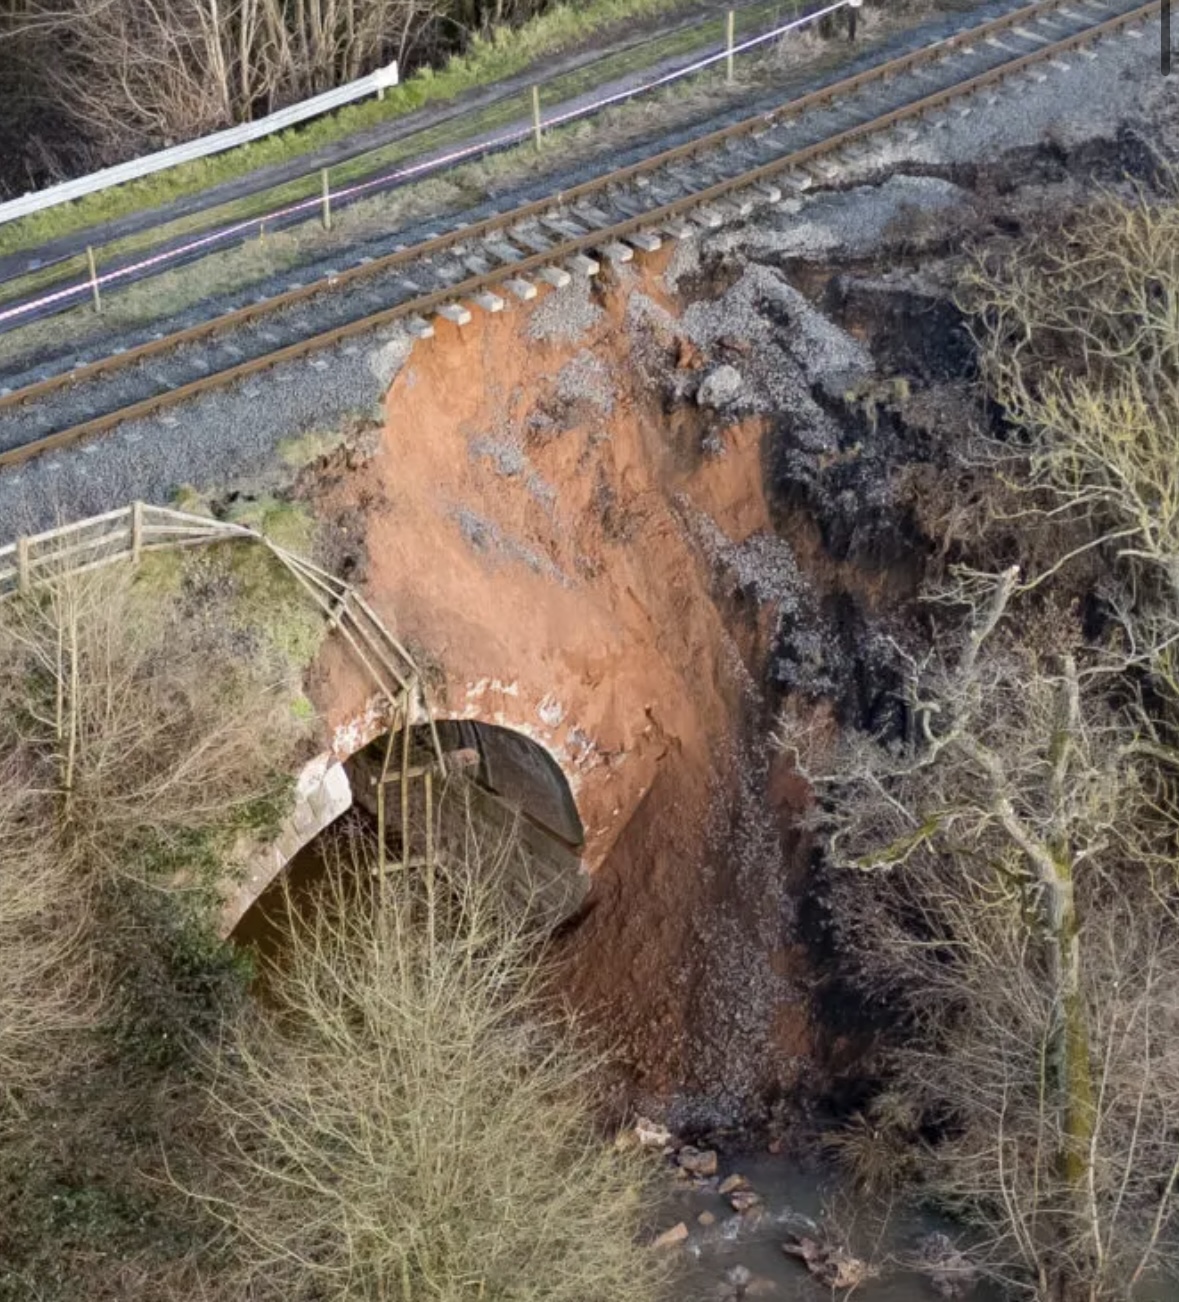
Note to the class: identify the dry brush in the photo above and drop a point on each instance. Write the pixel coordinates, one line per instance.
(407, 1117)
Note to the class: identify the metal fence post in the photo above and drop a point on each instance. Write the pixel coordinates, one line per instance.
(730, 26)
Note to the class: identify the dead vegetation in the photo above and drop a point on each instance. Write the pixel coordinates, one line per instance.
(398, 1114)
(405, 1118)
(1008, 842)
(132, 743)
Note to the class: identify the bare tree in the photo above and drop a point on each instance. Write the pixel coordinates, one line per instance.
(996, 833)
(143, 73)
(1078, 331)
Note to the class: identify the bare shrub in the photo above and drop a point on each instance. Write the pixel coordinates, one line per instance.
(1004, 892)
(129, 721)
(405, 1118)
(46, 995)
(134, 741)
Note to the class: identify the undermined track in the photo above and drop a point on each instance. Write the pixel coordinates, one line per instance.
(672, 194)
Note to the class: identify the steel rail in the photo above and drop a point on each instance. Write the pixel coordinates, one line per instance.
(603, 235)
(491, 225)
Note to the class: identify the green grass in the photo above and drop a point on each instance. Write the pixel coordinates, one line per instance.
(303, 449)
(264, 598)
(503, 54)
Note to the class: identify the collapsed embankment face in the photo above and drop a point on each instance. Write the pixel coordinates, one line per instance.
(544, 533)
(630, 520)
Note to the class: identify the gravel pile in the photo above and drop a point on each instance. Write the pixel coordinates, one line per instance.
(564, 316)
(586, 378)
(789, 349)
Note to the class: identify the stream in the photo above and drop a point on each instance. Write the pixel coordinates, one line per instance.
(739, 1255)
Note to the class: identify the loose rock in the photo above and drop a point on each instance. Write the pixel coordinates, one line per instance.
(671, 1238)
(651, 1135)
(949, 1270)
(720, 388)
(831, 1266)
(696, 1161)
(744, 1200)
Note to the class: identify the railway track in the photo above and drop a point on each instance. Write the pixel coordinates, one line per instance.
(476, 266)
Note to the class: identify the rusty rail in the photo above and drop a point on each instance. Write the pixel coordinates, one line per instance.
(591, 239)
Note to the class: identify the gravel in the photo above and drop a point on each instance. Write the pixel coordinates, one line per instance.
(386, 362)
(507, 458)
(791, 349)
(220, 438)
(223, 436)
(846, 223)
(487, 537)
(586, 378)
(763, 564)
(565, 315)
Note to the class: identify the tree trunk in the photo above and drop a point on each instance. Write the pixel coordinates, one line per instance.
(1070, 1039)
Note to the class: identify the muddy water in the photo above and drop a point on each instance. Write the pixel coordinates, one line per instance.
(800, 1202)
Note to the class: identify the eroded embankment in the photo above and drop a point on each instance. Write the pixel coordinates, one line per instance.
(584, 515)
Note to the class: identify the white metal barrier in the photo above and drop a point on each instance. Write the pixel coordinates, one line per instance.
(375, 83)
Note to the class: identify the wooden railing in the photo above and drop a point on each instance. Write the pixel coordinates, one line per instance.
(128, 534)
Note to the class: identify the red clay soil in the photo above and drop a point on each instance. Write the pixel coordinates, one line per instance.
(537, 549)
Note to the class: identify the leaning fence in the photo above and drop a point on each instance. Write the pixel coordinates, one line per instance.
(131, 532)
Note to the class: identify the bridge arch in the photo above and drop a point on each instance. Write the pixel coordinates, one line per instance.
(494, 782)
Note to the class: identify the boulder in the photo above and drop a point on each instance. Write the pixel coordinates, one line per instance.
(721, 387)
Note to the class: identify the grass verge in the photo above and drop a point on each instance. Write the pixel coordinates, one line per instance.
(505, 53)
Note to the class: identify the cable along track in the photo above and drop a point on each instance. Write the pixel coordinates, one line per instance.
(701, 183)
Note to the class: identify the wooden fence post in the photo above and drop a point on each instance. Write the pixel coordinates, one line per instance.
(730, 28)
(327, 202)
(136, 532)
(22, 565)
(94, 278)
(536, 114)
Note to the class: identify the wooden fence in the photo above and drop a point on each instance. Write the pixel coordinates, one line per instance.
(133, 531)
